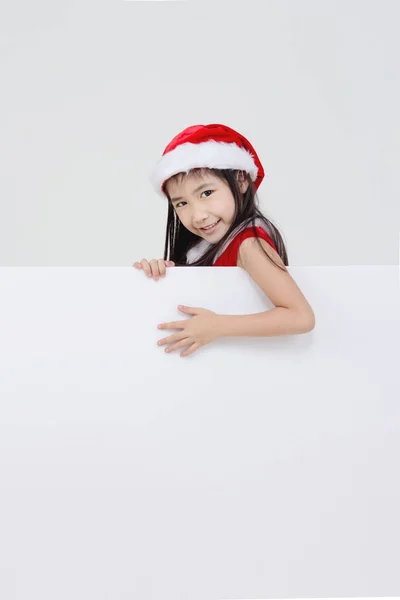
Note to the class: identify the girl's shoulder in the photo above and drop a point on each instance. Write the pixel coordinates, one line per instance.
(229, 257)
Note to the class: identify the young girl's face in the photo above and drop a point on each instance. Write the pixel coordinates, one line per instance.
(205, 206)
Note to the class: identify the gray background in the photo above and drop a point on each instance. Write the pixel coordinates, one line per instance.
(92, 92)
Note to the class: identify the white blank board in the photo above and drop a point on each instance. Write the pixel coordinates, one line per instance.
(255, 468)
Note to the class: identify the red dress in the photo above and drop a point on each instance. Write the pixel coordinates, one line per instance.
(229, 256)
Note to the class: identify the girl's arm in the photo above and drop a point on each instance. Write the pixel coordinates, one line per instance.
(292, 313)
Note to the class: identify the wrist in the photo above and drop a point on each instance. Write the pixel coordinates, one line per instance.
(221, 325)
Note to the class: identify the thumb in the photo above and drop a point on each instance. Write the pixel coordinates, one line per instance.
(190, 310)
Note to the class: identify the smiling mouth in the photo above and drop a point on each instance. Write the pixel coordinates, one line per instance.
(210, 227)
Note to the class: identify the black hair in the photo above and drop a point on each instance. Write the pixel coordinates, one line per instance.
(179, 240)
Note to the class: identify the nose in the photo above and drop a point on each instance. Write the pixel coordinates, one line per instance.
(199, 215)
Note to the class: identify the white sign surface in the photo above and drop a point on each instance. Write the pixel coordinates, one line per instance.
(255, 468)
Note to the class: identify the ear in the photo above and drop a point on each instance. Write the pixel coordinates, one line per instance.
(243, 186)
(243, 182)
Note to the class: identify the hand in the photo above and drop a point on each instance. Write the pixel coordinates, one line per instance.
(155, 268)
(201, 329)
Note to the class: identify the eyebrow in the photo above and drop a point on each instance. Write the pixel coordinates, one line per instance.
(203, 185)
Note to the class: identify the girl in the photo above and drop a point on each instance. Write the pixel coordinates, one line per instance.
(209, 175)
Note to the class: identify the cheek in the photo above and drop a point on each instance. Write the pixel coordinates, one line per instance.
(185, 221)
(230, 212)
(180, 216)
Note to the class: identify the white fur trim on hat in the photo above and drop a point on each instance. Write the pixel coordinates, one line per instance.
(211, 154)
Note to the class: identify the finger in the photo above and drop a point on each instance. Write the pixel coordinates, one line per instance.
(191, 350)
(170, 263)
(189, 310)
(173, 325)
(146, 267)
(138, 265)
(175, 337)
(162, 267)
(181, 344)
(154, 269)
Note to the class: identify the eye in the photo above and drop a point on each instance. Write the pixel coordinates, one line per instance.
(179, 204)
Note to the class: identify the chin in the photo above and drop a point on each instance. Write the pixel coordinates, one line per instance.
(223, 228)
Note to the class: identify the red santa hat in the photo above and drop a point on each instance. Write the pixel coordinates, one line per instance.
(214, 146)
